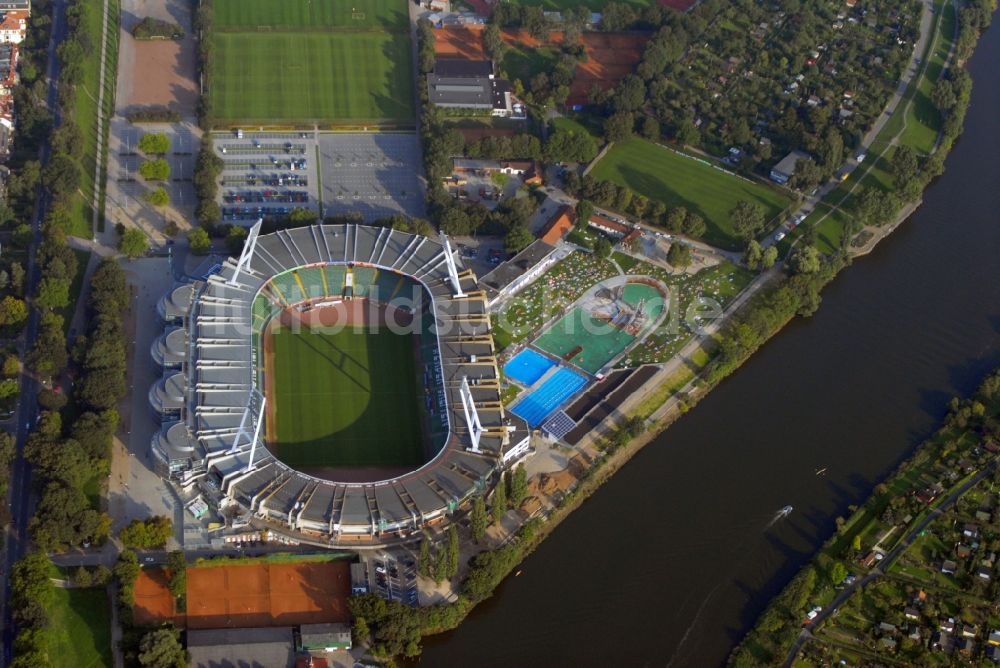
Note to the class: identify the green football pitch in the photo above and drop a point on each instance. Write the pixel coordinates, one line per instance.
(679, 180)
(312, 76)
(310, 14)
(345, 399)
(311, 61)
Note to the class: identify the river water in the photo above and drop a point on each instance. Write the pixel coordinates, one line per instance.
(671, 561)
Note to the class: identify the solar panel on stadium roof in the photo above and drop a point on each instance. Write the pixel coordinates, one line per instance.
(559, 425)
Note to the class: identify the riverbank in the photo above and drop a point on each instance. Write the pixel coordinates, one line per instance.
(876, 538)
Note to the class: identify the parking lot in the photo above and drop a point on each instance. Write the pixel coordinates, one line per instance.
(266, 174)
(374, 174)
(393, 577)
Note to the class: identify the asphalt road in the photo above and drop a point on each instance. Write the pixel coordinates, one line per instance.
(27, 410)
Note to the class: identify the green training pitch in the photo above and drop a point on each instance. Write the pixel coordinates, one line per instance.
(310, 14)
(345, 398)
(677, 180)
(312, 77)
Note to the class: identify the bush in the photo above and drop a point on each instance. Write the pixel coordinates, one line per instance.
(154, 115)
(154, 144)
(150, 28)
(157, 197)
(155, 170)
(199, 241)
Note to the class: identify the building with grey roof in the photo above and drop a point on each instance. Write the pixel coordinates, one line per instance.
(212, 408)
(242, 648)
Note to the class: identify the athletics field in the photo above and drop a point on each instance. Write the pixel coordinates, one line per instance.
(301, 62)
(343, 398)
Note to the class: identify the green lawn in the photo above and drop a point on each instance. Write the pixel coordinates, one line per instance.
(580, 122)
(80, 627)
(85, 113)
(312, 76)
(310, 14)
(923, 120)
(522, 62)
(677, 180)
(346, 398)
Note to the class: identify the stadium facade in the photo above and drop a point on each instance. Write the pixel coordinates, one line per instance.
(212, 408)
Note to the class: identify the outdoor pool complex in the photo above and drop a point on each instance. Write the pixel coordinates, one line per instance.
(590, 343)
(537, 405)
(527, 367)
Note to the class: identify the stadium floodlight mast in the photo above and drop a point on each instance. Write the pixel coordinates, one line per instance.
(471, 414)
(452, 269)
(248, 249)
(254, 417)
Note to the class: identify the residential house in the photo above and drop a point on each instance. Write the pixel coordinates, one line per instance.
(948, 626)
(967, 630)
(984, 573)
(970, 531)
(949, 567)
(912, 614)
(13, 27)
(785, 169)
(886, 627)
(994, 638)
(943, 642)
(324, 637)
(983, 516)
(963, 551)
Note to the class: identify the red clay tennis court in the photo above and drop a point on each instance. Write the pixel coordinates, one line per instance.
(250, 595)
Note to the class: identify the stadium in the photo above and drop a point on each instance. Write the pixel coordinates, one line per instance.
(336, 382)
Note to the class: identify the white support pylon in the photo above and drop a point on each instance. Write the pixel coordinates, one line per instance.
(248, 248)
(471, 414)
(452, 269)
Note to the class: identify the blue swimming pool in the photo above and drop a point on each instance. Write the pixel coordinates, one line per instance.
(538, 405)
(527, 367)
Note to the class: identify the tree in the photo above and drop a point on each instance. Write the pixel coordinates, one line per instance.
(650, 128)
(518, 486)
(133, 243)
(61, 176)
(162, 649)
(603, 247)
(499, 508)
(82, 577)
(748, 219)
(837, 573)
(477, 519)
(155, 170)
(454, 552)
(424, 564)
(53, 293)
(177, 565)
(13, 311)
(905, 166)
(494, 44)
(440, 563)
(694, 225)
(805, 260)
(679, 256)
(154, 144)
(769, 258)
(584, 212)
(234, 239)
(753, 255)
(199, 242)
(570, 146)
(157, 197)
(619, 126)
(943, 95)
(518, 238)
(807, 175)
(151, 533)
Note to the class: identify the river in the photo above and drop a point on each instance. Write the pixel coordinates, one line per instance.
(671, 561)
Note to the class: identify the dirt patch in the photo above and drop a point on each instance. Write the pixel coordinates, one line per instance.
(250, 595)
(460, 42)
(154, 604)
(159, 72)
